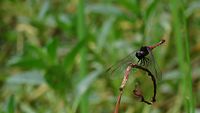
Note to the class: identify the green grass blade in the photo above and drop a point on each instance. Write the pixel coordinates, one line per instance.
(83, 86)
(70, 57)
(81, 30)
(11, 105)
(184, 67)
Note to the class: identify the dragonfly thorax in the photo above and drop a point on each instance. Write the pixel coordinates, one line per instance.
(142, 53)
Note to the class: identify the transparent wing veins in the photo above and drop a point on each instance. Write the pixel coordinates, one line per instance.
(121, 63)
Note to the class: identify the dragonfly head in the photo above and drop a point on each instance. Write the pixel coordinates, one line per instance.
(142, 53)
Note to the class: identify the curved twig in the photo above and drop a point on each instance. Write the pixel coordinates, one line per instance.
(152, 78)
(124, 81)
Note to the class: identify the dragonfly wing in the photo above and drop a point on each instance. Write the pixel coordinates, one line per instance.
(122, 64)
(153, 67)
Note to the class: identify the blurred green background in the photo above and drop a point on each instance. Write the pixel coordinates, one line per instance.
(54, 53)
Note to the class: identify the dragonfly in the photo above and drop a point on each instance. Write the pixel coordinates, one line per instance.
(143, 57)
(144, 60)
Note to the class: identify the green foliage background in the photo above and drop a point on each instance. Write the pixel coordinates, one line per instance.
(54, 53)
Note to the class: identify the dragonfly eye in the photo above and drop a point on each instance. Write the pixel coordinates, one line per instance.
(139, 54)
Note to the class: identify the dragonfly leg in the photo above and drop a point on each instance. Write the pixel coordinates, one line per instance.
(146, 61)
(138, 62)
(142, 62)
